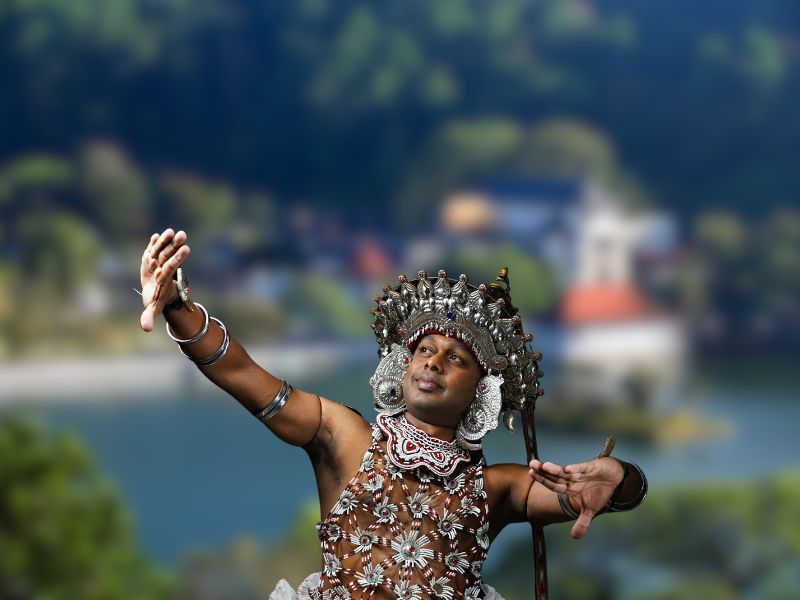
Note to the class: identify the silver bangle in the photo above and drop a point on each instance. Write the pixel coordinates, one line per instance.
(563, 500)
(217, 355)
(616, 506)
(277, 403)
(196, 338)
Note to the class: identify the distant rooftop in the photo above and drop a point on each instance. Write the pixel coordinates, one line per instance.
(587, 304)
(518, 207)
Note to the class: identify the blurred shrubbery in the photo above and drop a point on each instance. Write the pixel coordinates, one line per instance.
(64, 531)
(711, 541)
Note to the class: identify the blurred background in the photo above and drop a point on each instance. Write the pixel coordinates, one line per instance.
(634, 164)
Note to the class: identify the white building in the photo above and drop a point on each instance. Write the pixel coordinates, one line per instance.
(615, 346)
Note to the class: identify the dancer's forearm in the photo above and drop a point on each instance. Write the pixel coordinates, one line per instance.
(225, 363)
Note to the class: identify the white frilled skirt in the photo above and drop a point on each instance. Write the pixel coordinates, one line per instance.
(283, 591)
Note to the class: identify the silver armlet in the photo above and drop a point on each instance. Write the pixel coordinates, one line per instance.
(218, 354)
(563, 500)
(277, 403)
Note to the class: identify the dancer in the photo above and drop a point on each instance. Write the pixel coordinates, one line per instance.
(410, 509)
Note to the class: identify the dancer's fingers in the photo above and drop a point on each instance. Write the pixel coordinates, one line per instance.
(153, 240)
(171, 247)
(148, 262)
(167, 270)
(161, 242)
(547, 482)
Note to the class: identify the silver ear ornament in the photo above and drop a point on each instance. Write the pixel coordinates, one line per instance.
(387, 382)
(481, 416)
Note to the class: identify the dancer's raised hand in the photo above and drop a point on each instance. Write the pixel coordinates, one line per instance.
(162, 257)
(589, 485)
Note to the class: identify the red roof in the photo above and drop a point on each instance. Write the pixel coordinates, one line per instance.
(598, 303)
(371, 260)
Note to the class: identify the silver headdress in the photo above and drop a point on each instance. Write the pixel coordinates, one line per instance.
(482, 318)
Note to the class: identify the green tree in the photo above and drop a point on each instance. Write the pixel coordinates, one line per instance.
(60, 254)
(64, 532)
(773, 279)
(533, 284)
(749, 273)
(115, 191)
(201, 206)
(24, 179)
(327, 307)
(723, 234)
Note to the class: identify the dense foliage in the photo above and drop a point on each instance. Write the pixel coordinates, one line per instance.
(332, 101)
(714, 541)
(64, 531)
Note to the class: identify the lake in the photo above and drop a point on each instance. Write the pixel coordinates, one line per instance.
(197, 470)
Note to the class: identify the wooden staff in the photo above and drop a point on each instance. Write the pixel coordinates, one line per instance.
(539, 550)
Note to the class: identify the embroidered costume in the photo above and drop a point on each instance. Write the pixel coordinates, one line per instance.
(407, 523)
(413, 523)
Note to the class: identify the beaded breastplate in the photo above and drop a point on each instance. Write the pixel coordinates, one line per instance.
(412, 523)
(409, 447)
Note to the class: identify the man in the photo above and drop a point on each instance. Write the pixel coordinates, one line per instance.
(411, 509)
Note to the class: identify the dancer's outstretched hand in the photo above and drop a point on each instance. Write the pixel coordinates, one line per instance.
(589, 485)
(162, 257)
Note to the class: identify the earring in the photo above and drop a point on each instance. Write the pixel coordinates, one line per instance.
(481, 416)
(387, 382)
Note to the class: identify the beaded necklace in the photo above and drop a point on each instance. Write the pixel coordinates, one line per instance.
(409, 447)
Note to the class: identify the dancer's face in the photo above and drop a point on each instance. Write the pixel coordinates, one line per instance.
(440, 382)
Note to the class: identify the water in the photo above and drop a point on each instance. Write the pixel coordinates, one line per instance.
(200, 471)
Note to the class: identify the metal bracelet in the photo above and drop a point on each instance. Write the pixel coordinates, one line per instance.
(277, 403)
(614, 505)
(563, 500)
(217, 355)
(196, 338)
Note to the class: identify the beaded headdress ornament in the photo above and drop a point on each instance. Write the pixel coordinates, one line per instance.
(483, 319)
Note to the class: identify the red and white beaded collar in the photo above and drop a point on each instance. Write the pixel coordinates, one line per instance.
(409, 447)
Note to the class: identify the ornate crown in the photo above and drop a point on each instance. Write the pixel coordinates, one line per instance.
(482, 317)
